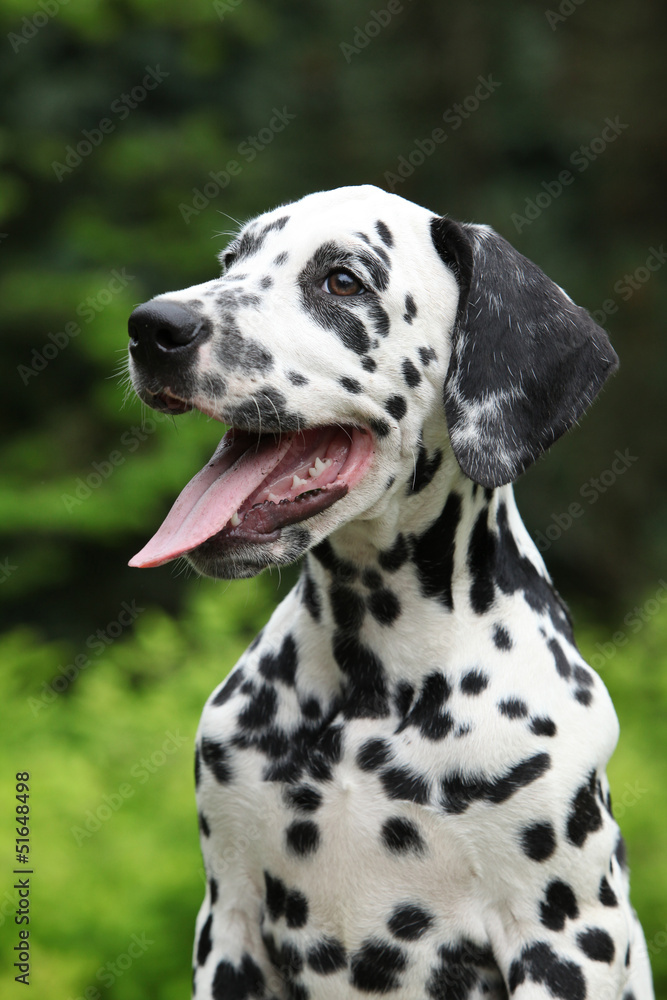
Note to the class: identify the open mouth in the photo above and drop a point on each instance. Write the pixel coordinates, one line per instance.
(255, 484)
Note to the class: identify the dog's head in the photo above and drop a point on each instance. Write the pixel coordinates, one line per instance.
(349, 333)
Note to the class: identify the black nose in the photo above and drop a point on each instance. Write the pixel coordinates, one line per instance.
(158, 327)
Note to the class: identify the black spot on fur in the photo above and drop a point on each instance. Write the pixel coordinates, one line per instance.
(401, 835)
(458, 790)
(350, 384)
(559, 904)
(621, 853)
(371, 579)
(513, 708)
(368, 364)
(474, 682)
(459, 971)
(583, 696)
(275, 896)
(540, 963)
(481, 563)
(213, 888)
(375, 966)
(260, 710)
(302, 837)
(342, 569)
(232, 983)
(296, 378)
(384, 233)
(427, 354)
(228, 688)
(347, 606)
(515, 572)
(433, 553)
(205, 944)
(216, 756)
(538, 841)
(236, 351)
(373, 754)
(197, 767)
(379, 427)
(280, 666)
(543, 726)
(366, 688)
(327, 956)
(392, 559)
(501, 638)
(266, 408)
(562, 663)
(396, 407)
(606, 894)
(427, 713)
(596, 944)
(425, 469)
(311, 596)
(402, 783)
(411, 374)
(410, 313)
(585, 816)
(296, 909)
(384, 606)
(304, 798)
(409, 922)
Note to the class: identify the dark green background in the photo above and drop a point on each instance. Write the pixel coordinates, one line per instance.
(556, 78)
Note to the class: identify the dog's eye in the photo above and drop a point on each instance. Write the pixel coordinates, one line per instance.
(342, 283)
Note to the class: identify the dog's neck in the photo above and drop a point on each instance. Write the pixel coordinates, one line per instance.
(432, 583)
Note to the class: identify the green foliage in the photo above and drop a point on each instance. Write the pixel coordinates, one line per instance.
(115, 846)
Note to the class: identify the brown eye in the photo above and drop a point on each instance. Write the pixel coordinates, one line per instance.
(342, 283)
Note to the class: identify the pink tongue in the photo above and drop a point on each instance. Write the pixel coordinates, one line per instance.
(204, 507)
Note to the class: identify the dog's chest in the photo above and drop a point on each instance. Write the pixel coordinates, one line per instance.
(342, 839)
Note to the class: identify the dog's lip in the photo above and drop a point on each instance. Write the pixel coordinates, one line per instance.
(169, 402)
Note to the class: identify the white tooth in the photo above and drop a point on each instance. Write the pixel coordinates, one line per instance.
(296, 482)
(236, 520)
(273, 498)
(319, 467)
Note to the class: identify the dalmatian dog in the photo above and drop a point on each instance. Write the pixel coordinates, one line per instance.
(401, 785)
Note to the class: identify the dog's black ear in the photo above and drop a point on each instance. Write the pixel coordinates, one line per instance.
(525, 363)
